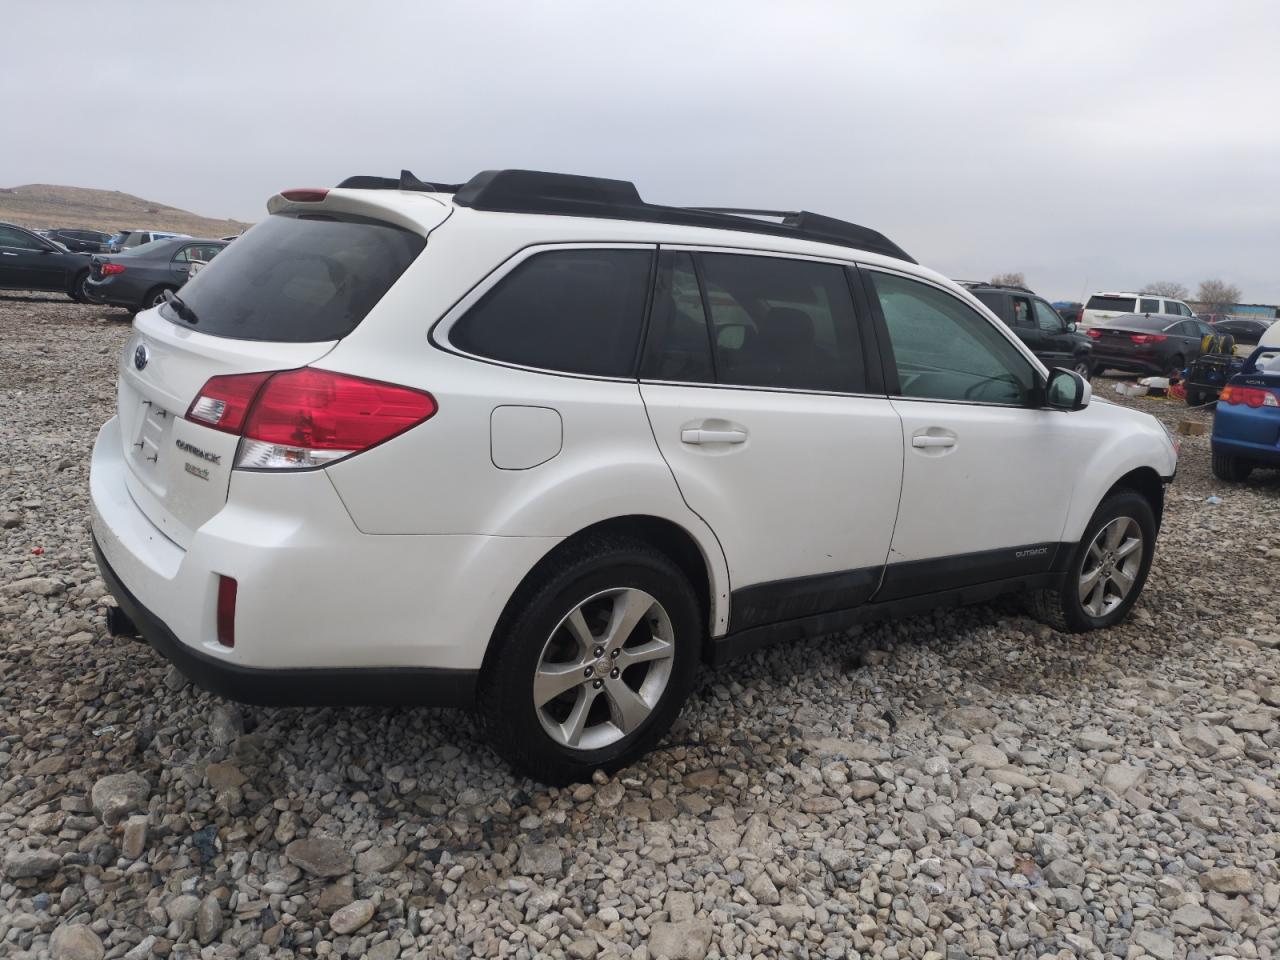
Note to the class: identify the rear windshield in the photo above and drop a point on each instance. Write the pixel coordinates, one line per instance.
(1137, 321)
(1120, 304)
(298, 279)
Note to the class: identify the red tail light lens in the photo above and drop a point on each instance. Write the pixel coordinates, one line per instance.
(1094, 333)
(307, 418)
(223, 402)
(1249, 396)
(1141, 339)
(306, 194)
(112, 268)
(226, 611)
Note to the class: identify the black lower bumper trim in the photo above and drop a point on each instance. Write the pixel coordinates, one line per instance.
(294, 686)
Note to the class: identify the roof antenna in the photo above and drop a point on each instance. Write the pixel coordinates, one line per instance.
(409, 182)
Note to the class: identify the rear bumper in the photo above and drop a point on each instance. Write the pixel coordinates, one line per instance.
(324, 613)
(107, 292)
(317, 686)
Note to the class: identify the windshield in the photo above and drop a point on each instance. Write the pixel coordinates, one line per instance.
(299, 279)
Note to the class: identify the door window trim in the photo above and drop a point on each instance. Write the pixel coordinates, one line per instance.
(872, 368)
(438, 332)
(890, 365)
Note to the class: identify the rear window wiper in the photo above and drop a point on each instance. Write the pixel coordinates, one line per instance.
(180, 307)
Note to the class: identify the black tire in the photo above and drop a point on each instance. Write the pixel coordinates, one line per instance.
(1194, 397)
(1207, 343)
(77, 291)
(1226, 344)
(1231, 468)
(1176, 365)
(154, 297)
(1060, 606)
(505, 701)
(1082, 366)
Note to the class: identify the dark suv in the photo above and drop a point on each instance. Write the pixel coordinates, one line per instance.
(1054, 341)
(80, 241)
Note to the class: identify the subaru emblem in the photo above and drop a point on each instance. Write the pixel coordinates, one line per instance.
(141, 356)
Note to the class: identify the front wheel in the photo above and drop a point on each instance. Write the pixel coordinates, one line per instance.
(1230, 468)
(592, 660)
(155, 297)
(1082, 367)
(1107, 569)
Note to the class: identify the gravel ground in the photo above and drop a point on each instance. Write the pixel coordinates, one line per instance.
(970, 784)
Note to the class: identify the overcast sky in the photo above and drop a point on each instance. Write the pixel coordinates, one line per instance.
(1091, 145)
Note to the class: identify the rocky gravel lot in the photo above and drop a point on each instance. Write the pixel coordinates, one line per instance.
(970, 784)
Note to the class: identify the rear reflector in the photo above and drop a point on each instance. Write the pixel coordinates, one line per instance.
(112, 268)
(296, 419)
(227, 611)
(306, 194)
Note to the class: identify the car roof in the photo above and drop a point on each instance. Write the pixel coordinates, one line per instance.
(1149, 296)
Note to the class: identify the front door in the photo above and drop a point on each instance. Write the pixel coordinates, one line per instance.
(766, 418)
(1056, 345)
(987, 479)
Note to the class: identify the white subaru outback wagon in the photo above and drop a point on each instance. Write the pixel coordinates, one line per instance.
(532, 445)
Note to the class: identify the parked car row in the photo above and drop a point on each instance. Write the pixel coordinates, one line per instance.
(136, 277)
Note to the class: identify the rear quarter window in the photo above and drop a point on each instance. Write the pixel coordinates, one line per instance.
(1111, 304)
(571, 311)
(299, 279)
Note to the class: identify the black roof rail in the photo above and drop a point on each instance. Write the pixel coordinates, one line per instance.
(569, 195)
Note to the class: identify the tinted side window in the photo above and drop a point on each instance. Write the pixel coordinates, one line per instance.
(782, 323)
(576, 311)
(1148, 306)
(992, 301)
(9, 237)
(944, 350)
(678, 345)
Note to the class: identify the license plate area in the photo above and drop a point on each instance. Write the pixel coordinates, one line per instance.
(151, 444)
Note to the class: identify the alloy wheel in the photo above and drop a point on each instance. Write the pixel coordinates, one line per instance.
(1111, 566)
(603, 669)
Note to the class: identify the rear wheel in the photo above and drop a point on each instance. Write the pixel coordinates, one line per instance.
(592, 660)
(1107, 570)
(1194, 397)
(77, 291)
(1176, 365)
(1081, 366)
(1231, 468)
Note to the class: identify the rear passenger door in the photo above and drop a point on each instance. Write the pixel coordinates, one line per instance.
(755, 379)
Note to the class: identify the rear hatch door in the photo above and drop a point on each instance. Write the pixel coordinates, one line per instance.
(178, 472)
(279, 298)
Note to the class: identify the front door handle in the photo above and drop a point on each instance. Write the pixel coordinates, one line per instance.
(925, 440)
(700, 435)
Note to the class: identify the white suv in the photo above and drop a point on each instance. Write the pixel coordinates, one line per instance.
(1101, 307)
(532, 445)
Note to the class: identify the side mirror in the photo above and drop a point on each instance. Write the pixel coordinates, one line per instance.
(1072, 326)
(1067, 390)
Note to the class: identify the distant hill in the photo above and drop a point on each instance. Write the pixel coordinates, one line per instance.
(40, 206)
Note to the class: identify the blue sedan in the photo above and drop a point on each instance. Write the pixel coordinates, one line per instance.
(1246, 426)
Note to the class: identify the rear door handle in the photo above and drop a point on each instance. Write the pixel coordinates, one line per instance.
(699, 435)
(930, 441)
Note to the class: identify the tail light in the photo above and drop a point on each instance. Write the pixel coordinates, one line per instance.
(1249, 396)
(1093, 333)
(1142, 339)
(226, 613)
(296, 419)
(111, 268)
